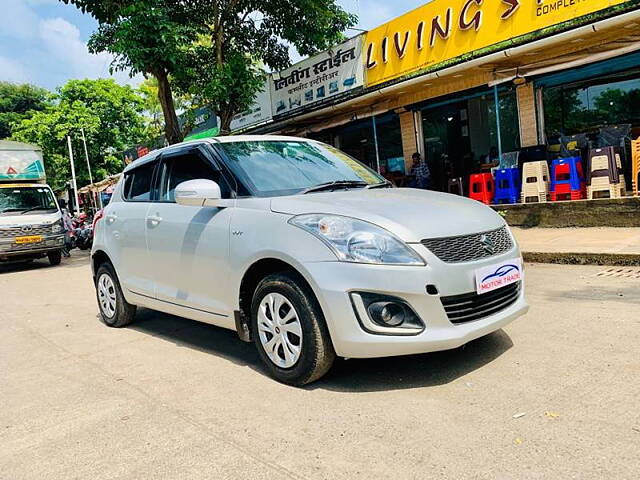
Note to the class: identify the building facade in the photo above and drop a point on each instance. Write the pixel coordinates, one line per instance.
(468, 82)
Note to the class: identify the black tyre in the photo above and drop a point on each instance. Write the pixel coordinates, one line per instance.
(289, 330)
(114, 309)
(55, 257)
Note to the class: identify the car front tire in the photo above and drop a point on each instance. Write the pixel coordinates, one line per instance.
(289, 330)
(114, 309)
(55, 257)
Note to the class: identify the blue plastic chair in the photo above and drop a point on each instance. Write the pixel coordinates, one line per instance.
(507, 185)
(571, 177)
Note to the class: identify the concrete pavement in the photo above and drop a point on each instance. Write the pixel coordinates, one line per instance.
(595, 245)
(553, 395)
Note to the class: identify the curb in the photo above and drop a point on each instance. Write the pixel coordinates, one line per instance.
(566, 258)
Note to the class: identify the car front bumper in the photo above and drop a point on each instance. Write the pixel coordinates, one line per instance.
(10, 250)
(333, 281)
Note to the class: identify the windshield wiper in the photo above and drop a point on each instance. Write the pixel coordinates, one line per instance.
(333, 185)
(37, 207)
(385, 184)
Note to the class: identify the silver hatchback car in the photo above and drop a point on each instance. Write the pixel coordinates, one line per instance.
(304, 251)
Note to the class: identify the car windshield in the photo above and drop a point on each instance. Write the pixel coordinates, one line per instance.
(25, 199)
(273, 168)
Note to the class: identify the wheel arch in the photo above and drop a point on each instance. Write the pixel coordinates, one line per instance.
(98, 258)
(252, 276)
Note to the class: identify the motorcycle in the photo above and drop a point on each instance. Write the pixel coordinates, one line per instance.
(82, 232)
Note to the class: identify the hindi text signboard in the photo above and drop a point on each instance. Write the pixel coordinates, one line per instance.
(325, 75)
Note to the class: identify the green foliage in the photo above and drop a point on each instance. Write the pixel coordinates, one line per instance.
(111, 116)
(210, 49)
(101, 10)
(18, 102)
(236, 36)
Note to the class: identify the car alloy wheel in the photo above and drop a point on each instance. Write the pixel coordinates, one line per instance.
(279, 330)
(107, 295)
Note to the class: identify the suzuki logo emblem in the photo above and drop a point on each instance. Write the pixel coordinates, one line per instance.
(487, 244)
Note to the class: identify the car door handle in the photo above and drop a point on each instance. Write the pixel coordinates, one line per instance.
(154, 220)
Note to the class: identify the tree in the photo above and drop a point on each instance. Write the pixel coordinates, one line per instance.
(111, 116)
(148, 37)
(18, 102)
(211, 48)
(238, 35)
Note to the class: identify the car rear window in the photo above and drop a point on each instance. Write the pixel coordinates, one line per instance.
(137, 184)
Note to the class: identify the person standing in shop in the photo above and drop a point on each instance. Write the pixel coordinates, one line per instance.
(420, 172)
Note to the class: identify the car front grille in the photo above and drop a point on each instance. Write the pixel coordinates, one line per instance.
(471, 306)
(467, 248)
(19, 231)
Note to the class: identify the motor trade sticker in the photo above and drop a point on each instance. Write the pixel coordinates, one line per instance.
(498, 275)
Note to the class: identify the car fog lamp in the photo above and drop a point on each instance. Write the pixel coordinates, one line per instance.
(387, 313)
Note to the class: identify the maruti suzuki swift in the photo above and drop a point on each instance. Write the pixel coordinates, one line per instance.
(304, 251)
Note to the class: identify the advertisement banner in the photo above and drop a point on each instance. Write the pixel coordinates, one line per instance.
(205, 124)
(445, 29)
(259, 112)
(328, 74)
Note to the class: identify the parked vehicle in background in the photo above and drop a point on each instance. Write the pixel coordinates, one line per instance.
(303, 250)
(30, 218)
(83, 231)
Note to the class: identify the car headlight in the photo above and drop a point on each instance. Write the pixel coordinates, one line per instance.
(57, 227)
(354, 240)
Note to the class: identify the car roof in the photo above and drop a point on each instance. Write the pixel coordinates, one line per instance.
(151, 156)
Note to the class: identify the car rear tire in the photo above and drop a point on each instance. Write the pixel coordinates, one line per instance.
(289, 330)
(114, 309)
(55, 257)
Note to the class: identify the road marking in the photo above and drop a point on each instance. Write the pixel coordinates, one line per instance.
(619, 272)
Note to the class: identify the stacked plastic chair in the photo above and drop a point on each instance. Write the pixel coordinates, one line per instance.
(535, 182)
(635, 166)
(507, 186)
(604, 175)
(567, 179)
(481, 187)
(454, 185)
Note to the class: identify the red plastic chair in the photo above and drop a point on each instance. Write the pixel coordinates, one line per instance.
(481, 187)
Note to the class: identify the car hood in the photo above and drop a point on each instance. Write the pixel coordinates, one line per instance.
(29, 219)
(409, 213)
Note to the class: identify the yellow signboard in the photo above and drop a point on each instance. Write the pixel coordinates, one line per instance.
(445, 29)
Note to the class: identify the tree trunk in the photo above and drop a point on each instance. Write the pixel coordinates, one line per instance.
(171, 125)
(225, 115)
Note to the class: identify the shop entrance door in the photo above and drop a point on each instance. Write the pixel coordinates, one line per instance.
(446, 140)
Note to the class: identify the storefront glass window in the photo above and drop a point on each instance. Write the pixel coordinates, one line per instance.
(584, 107)
(462, 135)
(357, 139)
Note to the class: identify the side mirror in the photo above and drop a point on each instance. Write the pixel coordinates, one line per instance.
(199, 193)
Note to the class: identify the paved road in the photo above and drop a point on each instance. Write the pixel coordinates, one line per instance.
(170, 398)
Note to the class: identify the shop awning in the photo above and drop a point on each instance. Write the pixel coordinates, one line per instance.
(592, 70)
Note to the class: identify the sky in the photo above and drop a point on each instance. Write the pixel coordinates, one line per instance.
(44, 42)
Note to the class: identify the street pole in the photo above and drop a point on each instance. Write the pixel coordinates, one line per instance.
(73, 176)
(86, 156)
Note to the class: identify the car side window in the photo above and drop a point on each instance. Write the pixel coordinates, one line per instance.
(190, 166)
(137, 183)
